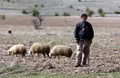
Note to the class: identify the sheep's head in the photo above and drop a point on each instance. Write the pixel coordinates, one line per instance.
(9, 52)
(50, 56)
(29, 52)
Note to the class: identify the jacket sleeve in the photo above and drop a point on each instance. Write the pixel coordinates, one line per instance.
(76, 32)
(92, 32)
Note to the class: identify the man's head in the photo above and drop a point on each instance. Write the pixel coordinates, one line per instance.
(84, 17)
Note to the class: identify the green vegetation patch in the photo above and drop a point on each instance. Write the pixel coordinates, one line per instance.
(46, 74)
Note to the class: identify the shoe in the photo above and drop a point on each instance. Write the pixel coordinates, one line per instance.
(77, 65)
(85, 65)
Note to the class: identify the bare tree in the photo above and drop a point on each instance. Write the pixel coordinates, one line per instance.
(36, 23)
(40, 19)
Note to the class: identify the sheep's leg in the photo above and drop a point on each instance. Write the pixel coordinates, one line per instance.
(38, 55)
(32, 55)
(23, 56)
(48, 55)
(13, 55)
(58, 57)
(54, 56)
(44, 55)
(16, 55)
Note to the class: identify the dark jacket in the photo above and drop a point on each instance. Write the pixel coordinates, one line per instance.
(83, 30)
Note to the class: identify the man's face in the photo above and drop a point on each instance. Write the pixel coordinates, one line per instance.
(84, 18)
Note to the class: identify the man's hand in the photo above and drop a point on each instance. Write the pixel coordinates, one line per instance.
(91, 40)
(77, 41)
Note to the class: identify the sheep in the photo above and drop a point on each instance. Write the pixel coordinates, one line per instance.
(39, 48)
(61, 50)
(18, 49)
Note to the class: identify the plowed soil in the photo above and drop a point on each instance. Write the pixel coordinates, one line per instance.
(105, 49)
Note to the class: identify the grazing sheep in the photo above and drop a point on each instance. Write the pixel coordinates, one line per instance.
(17, 49)
(61, 50)
(39, 48)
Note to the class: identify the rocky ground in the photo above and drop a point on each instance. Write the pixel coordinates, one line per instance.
(104, 56)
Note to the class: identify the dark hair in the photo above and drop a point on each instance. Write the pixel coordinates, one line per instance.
(84, 15)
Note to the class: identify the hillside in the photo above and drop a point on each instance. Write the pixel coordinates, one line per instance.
(50, 7)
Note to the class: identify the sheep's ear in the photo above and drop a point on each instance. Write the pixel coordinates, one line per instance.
(8, 48)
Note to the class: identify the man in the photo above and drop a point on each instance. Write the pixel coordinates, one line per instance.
(84, 35)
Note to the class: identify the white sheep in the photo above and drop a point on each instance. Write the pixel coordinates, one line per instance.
(39, 48)
(61, 50)
(18, 49)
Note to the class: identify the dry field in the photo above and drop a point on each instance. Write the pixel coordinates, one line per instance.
(105, 56)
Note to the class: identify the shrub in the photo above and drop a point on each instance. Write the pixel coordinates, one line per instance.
(8, 0)
(66, 14)
(0, 17)
(101, 13)
(24, 11)
(36, 5)
(78, 9)
(100, 10)
(35, 12)
(13, 1)
(56, 14)
(79, 0)
(3, 17)
(42, 5)
(71, 6)
(89, 12)
(117, 12)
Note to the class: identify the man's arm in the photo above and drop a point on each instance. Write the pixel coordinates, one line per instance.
(76, 33)
(92, 33)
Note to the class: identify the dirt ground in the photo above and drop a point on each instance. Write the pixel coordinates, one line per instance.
(105, 48)
(16, 20)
